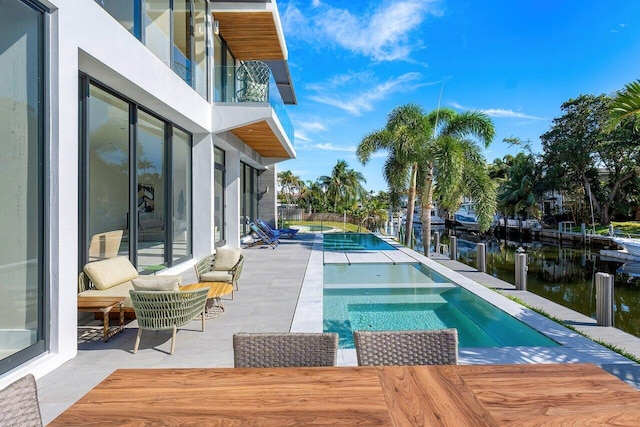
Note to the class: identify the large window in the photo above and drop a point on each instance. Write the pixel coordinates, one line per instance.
(218, 198)
(137, 183)
(22, 289)
(181, 179)
(249, 200)
(224, 73)
(174, 30)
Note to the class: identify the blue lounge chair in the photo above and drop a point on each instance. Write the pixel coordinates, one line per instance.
(264, 237)
(276, 232)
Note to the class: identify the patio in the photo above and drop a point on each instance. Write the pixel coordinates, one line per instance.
(274, 283)
(265, 302)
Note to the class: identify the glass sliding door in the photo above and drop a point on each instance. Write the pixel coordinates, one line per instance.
(22, 289)
(181, 181)
(182, 40)
(218, 198)
(200, 47)
(157, 28)
(108, 156)
(151, 190)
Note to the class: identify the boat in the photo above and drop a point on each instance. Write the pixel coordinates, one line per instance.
(435, 218)
(631, 268)
(466, 216)
(632, 246)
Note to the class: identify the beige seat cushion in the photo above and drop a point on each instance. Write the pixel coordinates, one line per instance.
(216, 276)
(121, 290)
(110, 272)
(156, 283)
(226, 258)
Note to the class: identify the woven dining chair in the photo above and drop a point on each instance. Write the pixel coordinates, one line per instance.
(19, 403)
(164, 310)
(272, 350)
(433, 347)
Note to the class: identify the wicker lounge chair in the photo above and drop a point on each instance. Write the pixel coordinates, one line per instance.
(163, 310)
(264, 237)
(19, 403)
(276, 232)
(271, 350)
(439, 347)
(227, 269)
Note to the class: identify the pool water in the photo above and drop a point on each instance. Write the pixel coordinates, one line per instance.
(379, 274)
(379, 297)
(355, 242)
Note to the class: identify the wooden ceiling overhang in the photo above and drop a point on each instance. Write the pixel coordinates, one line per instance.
(262, 139)
(252, 34)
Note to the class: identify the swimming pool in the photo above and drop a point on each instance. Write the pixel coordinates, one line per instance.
(379, 274)
(355, 242)
(428, 302)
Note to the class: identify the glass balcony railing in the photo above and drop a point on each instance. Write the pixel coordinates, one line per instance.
(253, 82)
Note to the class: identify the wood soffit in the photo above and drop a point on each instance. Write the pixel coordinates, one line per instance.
(250, 35)
(262, 139)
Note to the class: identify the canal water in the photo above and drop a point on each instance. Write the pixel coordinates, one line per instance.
(563, 275)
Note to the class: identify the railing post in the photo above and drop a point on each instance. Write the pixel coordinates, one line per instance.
(436, 241)
(453, 246)
(604, 299)
(481, 250)
(521, 272)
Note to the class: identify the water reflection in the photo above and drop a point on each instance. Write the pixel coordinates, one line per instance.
(562, 275)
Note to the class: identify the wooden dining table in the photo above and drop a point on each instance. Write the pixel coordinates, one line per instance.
(460, 395)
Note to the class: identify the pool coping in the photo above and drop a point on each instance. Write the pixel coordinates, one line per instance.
(573, 348)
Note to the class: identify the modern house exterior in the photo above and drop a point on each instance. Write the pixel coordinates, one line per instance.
(161, 120)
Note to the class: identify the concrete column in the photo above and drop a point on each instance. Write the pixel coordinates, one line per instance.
(203, 201)
(436, 241)
(481, 250)
(604, 299)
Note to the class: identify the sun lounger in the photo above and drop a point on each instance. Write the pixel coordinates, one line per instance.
(276, 232)
(264, 237)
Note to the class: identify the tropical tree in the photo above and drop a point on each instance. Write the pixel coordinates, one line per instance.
(626, 104)
(344, 187)
(289, 183)
(581, 147)
(522, 191)
(403, 137)
(453, 159)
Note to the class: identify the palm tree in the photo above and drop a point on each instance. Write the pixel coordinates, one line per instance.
(455, 162)
(403, 137)
(344, 186)
(626, 104)
(521, 192)
(289, 184)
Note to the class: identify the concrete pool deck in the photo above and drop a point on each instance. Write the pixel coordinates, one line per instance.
(281, 290)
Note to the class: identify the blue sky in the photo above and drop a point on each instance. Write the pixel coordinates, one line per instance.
(352, 62)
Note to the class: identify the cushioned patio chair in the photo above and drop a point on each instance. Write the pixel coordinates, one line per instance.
(19, 403)
(164, 310)
(223, 266)
(264, 237)
(434, 347)
(272, 350)
(276, 232)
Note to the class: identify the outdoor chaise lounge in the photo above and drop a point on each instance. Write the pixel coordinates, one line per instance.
(430, 347)
(276, 232)
(288, 349)
(264, 237)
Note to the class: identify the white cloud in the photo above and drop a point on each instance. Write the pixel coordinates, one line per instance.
(364, 98)
(499, 112)
(330, 147)
(301, 136)
(383, 34)
(313, 126)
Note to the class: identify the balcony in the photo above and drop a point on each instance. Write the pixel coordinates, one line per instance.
(252, 86)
